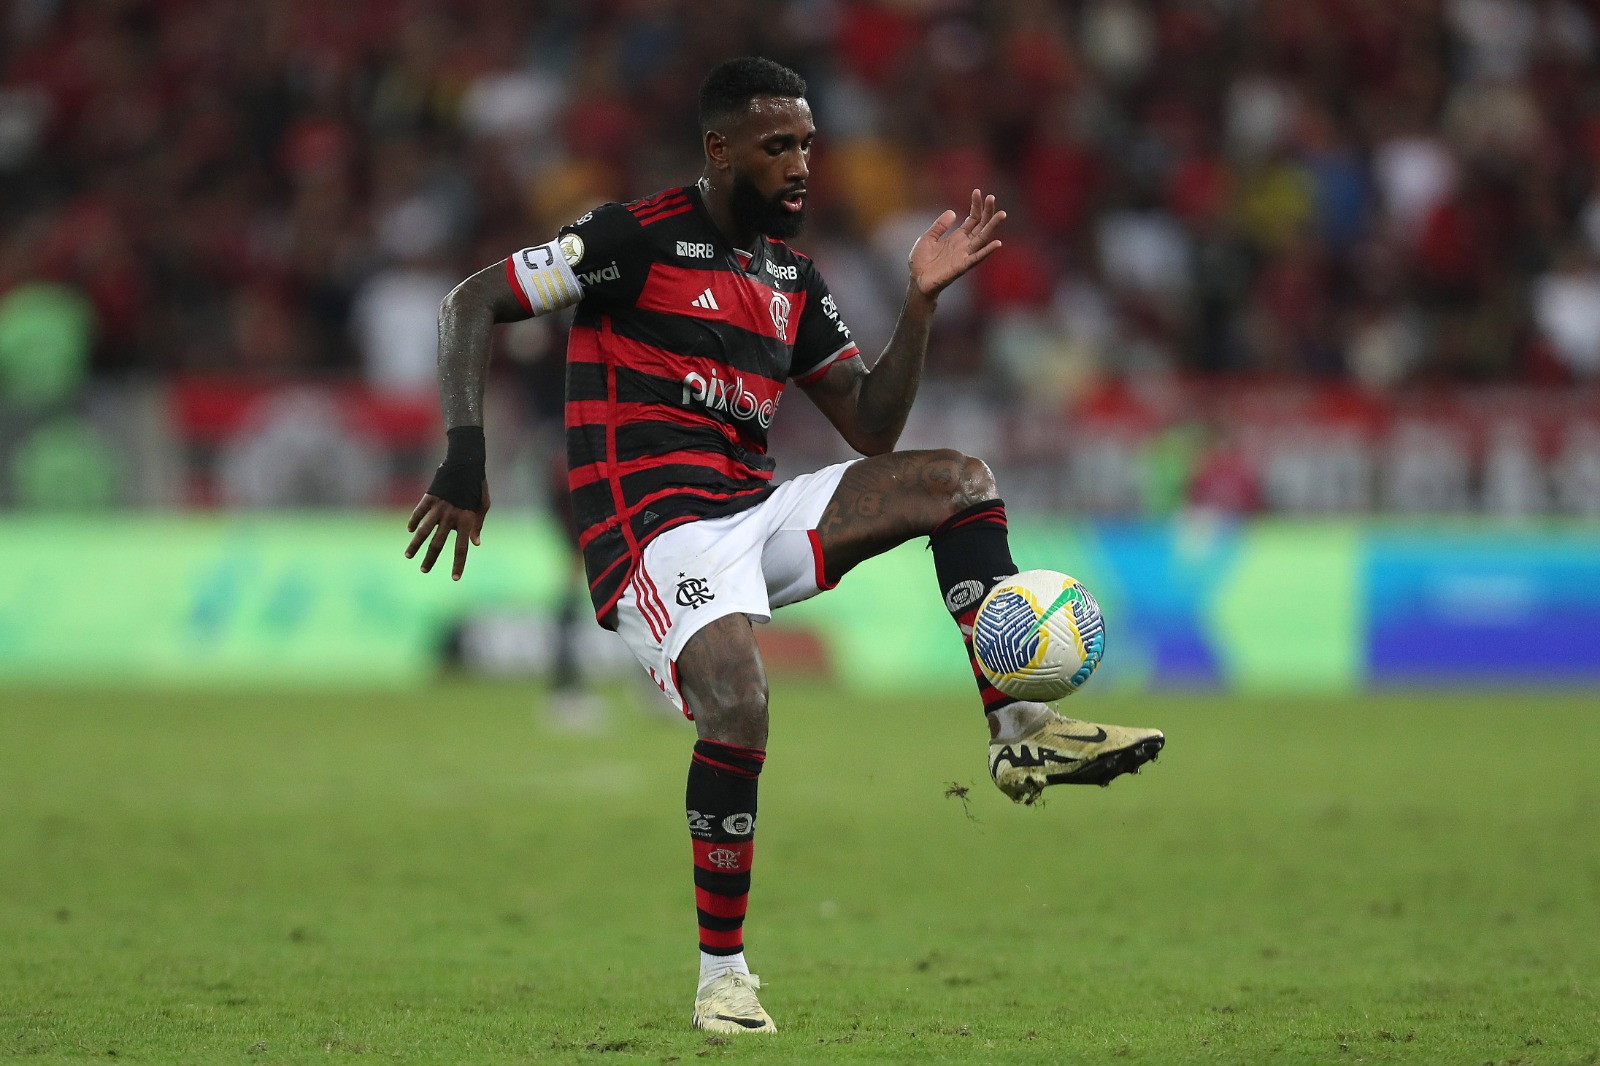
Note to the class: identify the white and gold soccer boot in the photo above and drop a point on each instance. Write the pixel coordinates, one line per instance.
(1033, 747)
(728, 1004)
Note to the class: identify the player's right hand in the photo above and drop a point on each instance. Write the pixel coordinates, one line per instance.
(438, 518)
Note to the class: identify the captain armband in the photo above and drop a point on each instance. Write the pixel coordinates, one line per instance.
(542, 277)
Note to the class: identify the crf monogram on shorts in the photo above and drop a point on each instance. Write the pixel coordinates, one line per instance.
(694, 592)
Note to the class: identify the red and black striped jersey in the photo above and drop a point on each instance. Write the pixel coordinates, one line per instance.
(677, 357)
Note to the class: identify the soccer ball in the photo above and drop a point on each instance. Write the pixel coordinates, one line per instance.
(1038, 635)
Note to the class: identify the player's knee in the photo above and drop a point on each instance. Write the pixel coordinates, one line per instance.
(977, 482)
(742, 692)
(972, 482)
(731, 705)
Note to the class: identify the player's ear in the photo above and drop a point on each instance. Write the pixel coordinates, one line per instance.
(717, 150)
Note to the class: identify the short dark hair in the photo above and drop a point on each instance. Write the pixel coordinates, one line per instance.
(728, 89)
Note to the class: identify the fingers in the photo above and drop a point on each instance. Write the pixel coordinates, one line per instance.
(441, 534)
(460, 563)
(434, 523)
(981, 218)
(423, 519)
(417, 512)
(983, 232)
(983, 253)
(979, 223)
(982, 209)
(974, 211)
(941, 225)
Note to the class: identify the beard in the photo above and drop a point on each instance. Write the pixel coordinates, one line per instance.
(767, 216)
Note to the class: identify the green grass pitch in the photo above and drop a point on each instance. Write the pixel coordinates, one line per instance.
(440, 877)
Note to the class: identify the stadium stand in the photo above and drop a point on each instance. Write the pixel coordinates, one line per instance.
(1289, 255)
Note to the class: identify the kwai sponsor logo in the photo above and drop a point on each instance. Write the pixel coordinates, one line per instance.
(609, 272)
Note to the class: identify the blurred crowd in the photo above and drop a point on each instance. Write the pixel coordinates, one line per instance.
(1378, 191)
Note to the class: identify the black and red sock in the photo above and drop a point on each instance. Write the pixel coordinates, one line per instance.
(721, 803)
(971, 555)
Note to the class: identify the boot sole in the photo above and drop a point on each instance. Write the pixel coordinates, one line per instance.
(1112, 765)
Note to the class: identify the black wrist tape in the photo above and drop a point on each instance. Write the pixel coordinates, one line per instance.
(459, 479)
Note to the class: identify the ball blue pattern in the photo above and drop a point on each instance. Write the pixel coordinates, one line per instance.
(1005, 638)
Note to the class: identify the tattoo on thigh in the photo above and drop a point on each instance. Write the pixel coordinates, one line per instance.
(885, 501)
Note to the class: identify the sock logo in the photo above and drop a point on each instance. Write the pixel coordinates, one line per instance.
(723, 858)
(739, 824)
(963, 595)
(700, 823)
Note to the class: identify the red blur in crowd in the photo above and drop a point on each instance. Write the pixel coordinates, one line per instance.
(228, 182)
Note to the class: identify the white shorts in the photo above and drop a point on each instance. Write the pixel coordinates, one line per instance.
(752, 563)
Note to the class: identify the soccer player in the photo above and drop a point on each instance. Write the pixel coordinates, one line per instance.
(692, 314)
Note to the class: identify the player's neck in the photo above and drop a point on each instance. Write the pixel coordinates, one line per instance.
(718, 206)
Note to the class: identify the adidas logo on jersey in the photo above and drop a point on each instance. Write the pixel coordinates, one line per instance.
(707, 301)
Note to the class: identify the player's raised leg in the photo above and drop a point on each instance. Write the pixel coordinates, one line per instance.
(724, 684)
(953, 500)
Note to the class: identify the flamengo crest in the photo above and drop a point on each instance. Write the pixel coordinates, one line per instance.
(780, 315)
(694, 592)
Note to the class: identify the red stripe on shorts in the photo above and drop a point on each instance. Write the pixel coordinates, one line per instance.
(642, 603)
(655, 597)
(816, 554)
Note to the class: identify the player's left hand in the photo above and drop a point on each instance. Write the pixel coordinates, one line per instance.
(947, 251)
(438, 517)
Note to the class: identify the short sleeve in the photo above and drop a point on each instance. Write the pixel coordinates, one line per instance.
(605, 249)
(822, 338)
